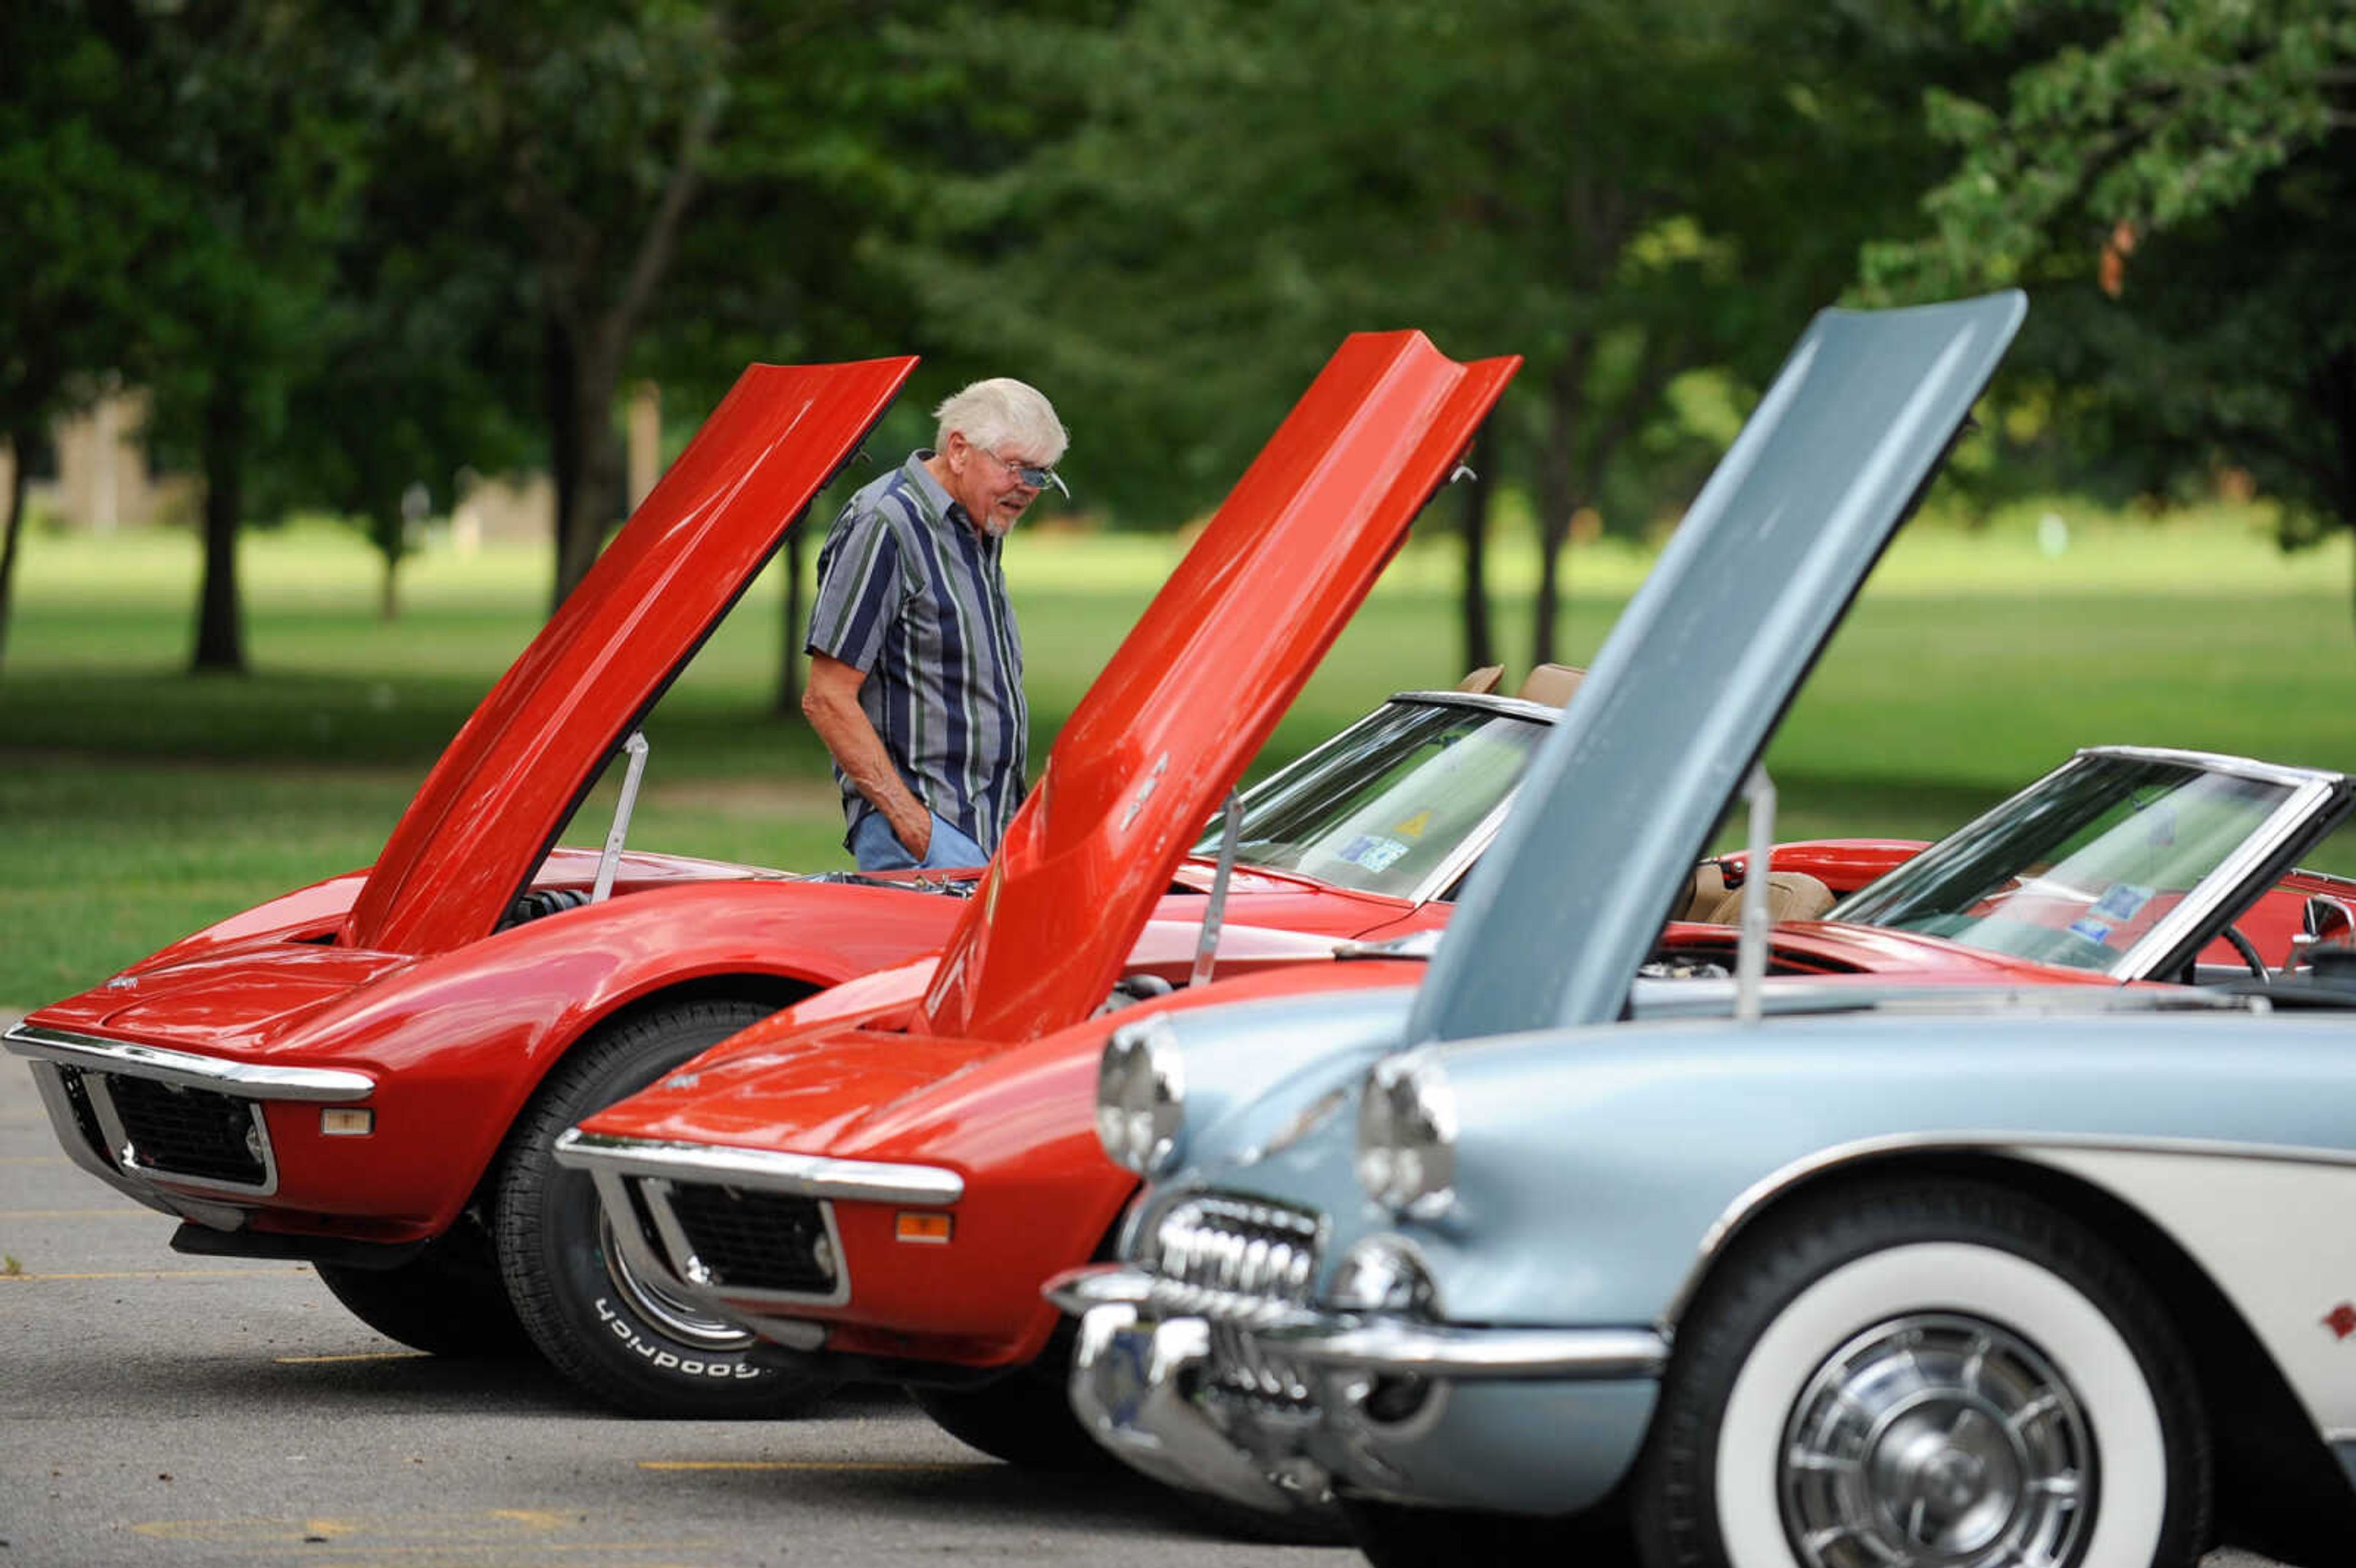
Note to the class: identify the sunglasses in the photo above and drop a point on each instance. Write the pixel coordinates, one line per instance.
(1031, 474)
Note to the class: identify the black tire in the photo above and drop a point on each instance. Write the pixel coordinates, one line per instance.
(592, 1319)
(1024, 1418)
(1392, 1535)
(1856, 1362)
(447, 1300)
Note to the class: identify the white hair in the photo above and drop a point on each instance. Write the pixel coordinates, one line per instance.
(1003, 412)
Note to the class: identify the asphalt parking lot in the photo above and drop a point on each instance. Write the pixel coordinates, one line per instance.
(187, 1413)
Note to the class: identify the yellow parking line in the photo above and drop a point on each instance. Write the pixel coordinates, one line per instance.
(357, 1356)
(907, 1466)
(157, 1274)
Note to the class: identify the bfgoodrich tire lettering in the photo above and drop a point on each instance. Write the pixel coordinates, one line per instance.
(1944, 1373)
(611, 1333)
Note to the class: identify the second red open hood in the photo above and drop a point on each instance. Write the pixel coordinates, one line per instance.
(502, 792)
(1199, 684)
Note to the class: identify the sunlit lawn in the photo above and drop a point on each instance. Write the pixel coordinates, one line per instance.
(136, 803)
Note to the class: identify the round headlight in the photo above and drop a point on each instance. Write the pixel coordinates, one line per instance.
(1406, 1137)
(1141, 1095)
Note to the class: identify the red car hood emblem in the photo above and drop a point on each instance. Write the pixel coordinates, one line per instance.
(488, 813)
(1199, 684)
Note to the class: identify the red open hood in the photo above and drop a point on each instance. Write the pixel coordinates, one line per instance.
(1197, 686)
(504, 788)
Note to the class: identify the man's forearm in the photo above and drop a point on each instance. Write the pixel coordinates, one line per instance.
(859, 751)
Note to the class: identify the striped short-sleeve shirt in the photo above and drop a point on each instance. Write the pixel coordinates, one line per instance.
(912, 594)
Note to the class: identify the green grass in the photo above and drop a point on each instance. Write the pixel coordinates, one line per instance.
(137, 802)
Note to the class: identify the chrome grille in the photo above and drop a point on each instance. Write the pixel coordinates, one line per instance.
(194, 1133)
(1241, 1264)
(754, 1241)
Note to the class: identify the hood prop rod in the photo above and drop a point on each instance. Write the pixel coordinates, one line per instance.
(1206, 945)
(635, 748)
(1751, 947)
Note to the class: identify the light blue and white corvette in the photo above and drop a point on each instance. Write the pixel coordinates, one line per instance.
(1780, 1274)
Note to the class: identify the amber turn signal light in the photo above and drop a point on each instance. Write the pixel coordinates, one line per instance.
(916, 1225)
(347, 1122)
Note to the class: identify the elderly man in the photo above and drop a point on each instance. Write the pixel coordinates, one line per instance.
(915, 680)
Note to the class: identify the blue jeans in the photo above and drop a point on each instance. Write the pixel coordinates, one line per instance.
(877, 848)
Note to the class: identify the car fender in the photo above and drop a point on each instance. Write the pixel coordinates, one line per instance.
(1602, 1173)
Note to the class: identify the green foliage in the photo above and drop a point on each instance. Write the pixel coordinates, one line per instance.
(2175, 182)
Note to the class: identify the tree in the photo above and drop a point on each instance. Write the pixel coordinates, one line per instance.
(1620, 192)
(2177, 183)
(422, 370)
(254, 130)
(81, 213)
(582, 130)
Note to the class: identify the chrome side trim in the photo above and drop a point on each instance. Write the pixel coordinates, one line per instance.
(251, 1079)
(766, 1171)
(1448, 1351)
(1759, 1194)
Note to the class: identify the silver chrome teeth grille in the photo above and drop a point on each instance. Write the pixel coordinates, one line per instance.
(1243, 1265)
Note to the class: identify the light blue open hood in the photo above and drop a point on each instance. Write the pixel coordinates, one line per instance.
(1620, 800)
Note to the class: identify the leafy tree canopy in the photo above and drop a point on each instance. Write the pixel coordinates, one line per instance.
(2176, 181)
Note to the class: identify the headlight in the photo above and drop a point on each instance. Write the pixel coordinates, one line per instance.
(1141, 1095)
(1406, 1137)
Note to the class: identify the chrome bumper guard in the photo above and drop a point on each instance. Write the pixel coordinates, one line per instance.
(1138, 1364)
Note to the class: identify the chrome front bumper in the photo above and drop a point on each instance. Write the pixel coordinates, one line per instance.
(82, 1077)
(1140, 1386)
(637, 1180)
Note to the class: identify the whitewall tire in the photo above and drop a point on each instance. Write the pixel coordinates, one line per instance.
(1946, 1374)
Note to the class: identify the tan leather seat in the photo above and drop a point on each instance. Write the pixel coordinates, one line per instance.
(1551, 684)
(1483, 680)
(1790, 895)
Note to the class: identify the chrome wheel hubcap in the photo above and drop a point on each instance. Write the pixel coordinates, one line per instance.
(1937, 1441)
(659, 1306)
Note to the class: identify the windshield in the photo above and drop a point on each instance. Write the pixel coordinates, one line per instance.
(1383, 807)
(2078, 867)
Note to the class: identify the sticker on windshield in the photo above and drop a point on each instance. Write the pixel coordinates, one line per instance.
(2121, 903)
(1414, 827)
(1372, 851)
(2092, 929)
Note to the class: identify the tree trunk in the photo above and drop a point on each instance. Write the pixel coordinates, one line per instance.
(220, 628)
(588, 350)
(1557, 497)
(790, 667)
(20, 449)
(560, 388)
(388, 597)
(1479, 640)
